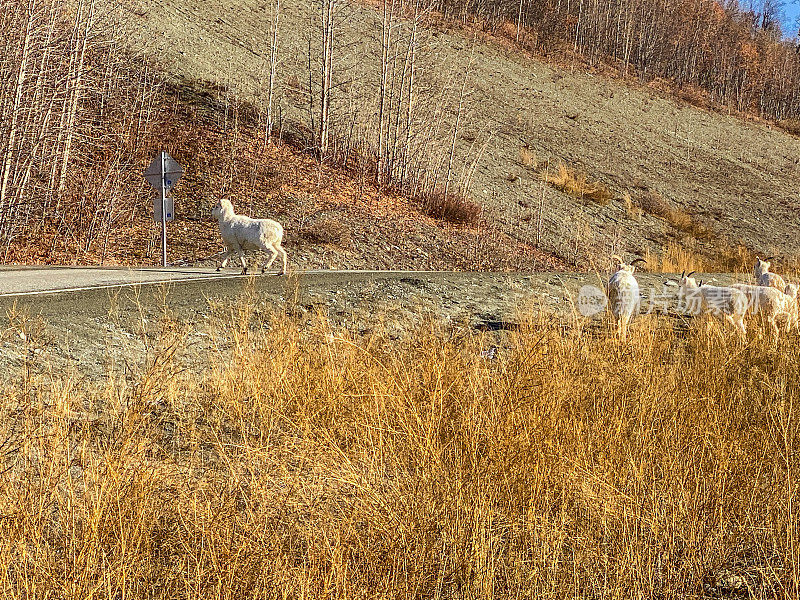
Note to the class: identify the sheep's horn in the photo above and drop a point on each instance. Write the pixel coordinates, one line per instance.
(690, 274)
(616, 257)
(683, 273)
(769, 258)
(636, 260)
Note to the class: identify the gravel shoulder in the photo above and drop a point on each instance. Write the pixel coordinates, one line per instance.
(91, 334)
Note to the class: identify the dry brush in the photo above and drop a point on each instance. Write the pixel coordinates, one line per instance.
(301, 460)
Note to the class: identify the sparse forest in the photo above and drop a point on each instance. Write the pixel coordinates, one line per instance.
(736, 55)
(75, 110)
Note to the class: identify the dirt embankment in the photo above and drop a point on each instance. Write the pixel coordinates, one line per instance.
(733, 177)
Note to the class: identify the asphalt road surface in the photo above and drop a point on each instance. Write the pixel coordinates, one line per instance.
(18, 281)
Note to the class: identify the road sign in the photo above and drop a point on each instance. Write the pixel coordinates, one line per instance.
(169, 205)
(170, 174)
(163, 173)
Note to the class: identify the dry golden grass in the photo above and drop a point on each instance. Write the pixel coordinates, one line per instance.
(792, 267)
(790, 125)
(729, 258)
(654, 203)
(452, 207)
(723, 258)
(327, 230)
(576, 183)
(528, 158)
(302, 462)
(676, 258)
(633, 211)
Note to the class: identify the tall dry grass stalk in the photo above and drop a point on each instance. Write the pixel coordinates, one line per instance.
(305, 462)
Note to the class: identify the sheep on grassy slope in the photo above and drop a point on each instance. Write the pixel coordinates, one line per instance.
(242, 233)
(772, 304)
(765, 277)
(623, 294)
(723, 302)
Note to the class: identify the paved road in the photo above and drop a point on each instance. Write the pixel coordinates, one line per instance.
(20, 281)
(35, 281)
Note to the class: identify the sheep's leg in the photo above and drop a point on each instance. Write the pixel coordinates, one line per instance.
(284, 258)
(774, 325)
(742, 327)
(737, 322)
(276, 250)
(274, 253)
(244, 262)
(225, 258)
(622, 328)
(729, 319)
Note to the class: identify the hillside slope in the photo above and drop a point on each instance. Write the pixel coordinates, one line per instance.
(735, 180)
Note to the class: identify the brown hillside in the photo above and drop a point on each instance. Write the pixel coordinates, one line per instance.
(731, 178)
(488, 123)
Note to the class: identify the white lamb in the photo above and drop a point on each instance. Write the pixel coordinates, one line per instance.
(772, 304)
(722, 302)
(242, 233)
(623, 294)
(765, 277)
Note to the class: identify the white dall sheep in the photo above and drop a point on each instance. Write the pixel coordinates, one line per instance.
(242, 233)
(728, 303)
(765, 277)
(623, 294)
(772, 304)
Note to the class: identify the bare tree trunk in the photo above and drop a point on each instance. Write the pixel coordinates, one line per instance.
(457, 123)
(5, 174)
(273, 60)
(311, 125)
(409, 108)
(328, 27)
(75, 97)
(386, 38)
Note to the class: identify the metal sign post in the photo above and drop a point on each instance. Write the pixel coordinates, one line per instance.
(163, 173)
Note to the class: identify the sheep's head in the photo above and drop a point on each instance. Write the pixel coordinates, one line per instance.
(634, 261)
(621, 265)
(791, 290)
(761, 266)
(687, 280)
(222, 208)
